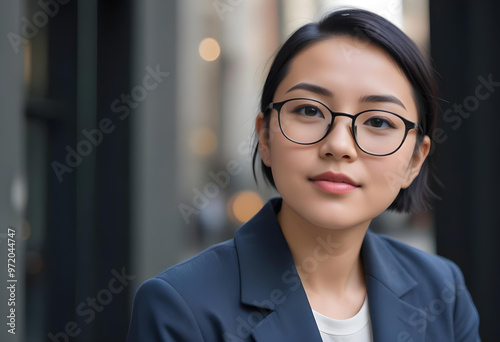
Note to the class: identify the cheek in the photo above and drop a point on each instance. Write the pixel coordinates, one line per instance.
(390, 172)
(283, 152)
(286, 158)
(289, 161)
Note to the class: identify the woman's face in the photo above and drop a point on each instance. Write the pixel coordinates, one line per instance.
(348, 76)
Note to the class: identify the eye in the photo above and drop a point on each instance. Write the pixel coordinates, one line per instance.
(378, 122)
(309, 111)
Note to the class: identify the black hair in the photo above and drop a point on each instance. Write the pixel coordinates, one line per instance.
(371, 28)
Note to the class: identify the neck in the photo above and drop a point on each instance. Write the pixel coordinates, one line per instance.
(327, 259)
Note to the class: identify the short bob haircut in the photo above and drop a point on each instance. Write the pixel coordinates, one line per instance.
(369, 28)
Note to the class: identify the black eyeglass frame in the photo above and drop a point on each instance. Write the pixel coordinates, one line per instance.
(409, 125)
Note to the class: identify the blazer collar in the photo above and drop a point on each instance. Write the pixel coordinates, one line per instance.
(387, 283)
(269, 282)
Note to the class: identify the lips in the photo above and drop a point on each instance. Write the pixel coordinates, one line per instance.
(334, 177)
(337, 183)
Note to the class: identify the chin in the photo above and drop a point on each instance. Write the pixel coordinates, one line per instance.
(334, 217)
(334, 214)
(334, 223)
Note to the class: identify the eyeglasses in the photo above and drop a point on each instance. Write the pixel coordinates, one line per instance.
(375, 131)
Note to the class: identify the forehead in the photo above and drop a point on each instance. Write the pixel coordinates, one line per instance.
(349, 68)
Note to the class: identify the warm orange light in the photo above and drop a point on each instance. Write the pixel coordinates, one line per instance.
(25, 230)
(245, 205)
(34, 263)
(203, 141)
(209, 49)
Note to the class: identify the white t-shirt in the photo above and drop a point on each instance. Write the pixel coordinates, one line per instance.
(354, 329)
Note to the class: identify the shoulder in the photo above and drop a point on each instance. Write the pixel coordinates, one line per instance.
(180, 300)
(414, 260)
(412, 273)
(215, 260)
(215, 269)
(431, 283)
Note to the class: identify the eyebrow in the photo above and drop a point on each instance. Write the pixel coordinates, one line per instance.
(312, 88)
(382, 98)
(367, 98)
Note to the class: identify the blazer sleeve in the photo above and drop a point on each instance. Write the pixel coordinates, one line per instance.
(161, 314)
(466, 317)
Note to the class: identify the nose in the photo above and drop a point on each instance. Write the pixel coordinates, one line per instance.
(339, 143)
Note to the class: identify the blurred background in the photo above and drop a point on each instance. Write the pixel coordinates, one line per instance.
(126, 133)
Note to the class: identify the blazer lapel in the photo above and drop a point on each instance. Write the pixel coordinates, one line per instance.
(390, 316)
(387, 284)
(291, 321)
(269, 281)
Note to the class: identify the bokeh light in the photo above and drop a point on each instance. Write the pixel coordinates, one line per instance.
(244, 205)
(203, 141)
(209, 49)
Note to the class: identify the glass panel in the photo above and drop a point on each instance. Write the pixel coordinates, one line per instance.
(304, 121)
(379, 132)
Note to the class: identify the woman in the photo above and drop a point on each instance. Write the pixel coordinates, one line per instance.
(343, 134)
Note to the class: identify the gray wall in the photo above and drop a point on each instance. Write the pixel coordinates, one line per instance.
(12, 180)
(156, 231)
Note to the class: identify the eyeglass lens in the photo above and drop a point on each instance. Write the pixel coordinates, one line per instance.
(306, 122)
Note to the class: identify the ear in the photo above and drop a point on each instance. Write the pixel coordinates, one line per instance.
(417, 161)
(263, 134)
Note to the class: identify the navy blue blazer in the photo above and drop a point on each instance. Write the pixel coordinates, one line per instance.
(248, 289)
